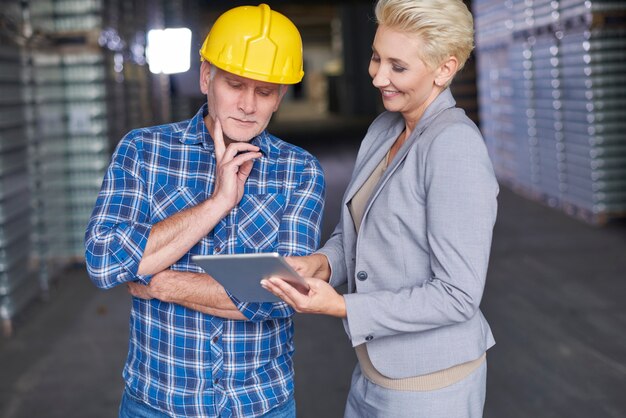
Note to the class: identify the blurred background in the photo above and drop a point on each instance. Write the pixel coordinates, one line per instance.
(546, 85)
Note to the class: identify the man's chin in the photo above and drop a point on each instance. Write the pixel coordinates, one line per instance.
(238, 135)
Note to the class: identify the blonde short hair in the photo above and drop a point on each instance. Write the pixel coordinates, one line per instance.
(446, 27)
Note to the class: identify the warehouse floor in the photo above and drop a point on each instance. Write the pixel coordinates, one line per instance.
(554, 298)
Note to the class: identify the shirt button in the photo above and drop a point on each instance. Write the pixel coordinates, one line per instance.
(369, 338)
(217, 249)
(216, 381)
(361, 275)
(215, 339)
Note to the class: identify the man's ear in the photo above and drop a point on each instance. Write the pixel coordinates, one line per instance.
(446, 71)
(282, 89)
(205, 75)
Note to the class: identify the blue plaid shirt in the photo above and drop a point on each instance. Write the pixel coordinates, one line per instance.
(180, 361)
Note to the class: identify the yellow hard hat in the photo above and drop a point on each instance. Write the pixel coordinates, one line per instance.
(255, 42)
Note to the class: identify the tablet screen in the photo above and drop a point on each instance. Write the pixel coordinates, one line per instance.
(241, 274)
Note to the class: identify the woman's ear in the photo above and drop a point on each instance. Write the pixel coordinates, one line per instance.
(446, 71)
(205, 75)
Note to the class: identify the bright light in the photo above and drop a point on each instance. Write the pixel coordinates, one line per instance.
(169, 50)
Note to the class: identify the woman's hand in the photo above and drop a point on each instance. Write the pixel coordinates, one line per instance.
(314, 265)
(320, 299)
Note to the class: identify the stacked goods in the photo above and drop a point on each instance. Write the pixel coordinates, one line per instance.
(18, 283)
(556, 134)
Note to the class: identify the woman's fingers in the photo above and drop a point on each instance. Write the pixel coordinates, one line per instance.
(289, 293)
(315, 265)
(276, 287)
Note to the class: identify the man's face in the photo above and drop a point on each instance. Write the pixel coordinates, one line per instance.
(243, 106)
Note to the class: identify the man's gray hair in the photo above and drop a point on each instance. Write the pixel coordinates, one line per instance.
(213, 71)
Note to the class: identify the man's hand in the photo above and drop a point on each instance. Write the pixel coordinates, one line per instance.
(161, 287)
(314, 265)
(139, 290)
(172, 237)
(197, 291)
(234, 164)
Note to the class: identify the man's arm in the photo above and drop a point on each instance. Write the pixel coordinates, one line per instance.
(299, 234)
(120, 222)
(197, 291)
(173, 237)
(122, 245)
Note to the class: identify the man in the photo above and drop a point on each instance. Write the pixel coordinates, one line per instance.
(215, 184)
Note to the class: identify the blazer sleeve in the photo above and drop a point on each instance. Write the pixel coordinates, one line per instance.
(460, 192)
(334, 252)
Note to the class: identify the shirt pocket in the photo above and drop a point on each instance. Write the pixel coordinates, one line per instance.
(169, 199)
(258, 220)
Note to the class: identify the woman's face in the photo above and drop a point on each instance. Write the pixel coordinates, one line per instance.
(406, 83)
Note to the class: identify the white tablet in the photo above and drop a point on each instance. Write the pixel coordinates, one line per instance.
(241, 274)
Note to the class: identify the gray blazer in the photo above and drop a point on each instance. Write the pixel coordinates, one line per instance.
(416, 270)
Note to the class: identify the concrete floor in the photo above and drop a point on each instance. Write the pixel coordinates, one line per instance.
(554, 298)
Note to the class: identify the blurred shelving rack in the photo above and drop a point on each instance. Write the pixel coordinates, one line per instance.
(18, 279)
(94, 94)
(551, 88)
(73, 81)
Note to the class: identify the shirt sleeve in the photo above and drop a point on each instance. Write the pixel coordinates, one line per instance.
(299, 234)
(119, 226)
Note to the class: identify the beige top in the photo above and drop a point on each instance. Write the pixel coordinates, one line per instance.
(431, 381)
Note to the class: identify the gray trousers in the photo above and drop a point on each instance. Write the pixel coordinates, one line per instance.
(464, 399)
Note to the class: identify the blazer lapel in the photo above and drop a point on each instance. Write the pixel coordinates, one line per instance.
(442, 102)
(379, 149)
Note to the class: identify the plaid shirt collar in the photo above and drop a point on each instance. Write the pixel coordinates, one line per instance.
(197, 133)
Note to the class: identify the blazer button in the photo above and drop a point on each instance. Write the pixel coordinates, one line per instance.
(361, 275)
(369, 338)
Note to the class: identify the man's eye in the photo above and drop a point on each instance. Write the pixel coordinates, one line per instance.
(264, 93)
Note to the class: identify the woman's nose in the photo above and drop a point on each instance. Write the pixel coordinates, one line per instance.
(380, 78)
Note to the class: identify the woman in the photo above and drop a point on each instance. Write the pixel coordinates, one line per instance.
(415, 232)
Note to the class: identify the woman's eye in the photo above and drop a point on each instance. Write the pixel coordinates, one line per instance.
(398, 69)
(375, 58)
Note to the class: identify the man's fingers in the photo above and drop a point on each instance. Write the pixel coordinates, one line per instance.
(238, 148)
(132, 289)
(218, 140)
(239, 160)
(138, 290)
(245, 169)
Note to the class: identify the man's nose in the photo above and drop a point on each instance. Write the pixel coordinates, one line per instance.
(247, 102)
